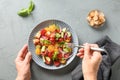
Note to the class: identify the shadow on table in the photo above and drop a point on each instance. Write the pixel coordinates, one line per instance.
(37, 71)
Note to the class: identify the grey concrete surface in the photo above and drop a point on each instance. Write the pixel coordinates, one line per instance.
(14, 30)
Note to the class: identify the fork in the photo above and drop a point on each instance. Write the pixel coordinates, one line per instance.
(81, 46)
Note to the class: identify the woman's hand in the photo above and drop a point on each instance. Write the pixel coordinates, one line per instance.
(91, 61)
(23, 64)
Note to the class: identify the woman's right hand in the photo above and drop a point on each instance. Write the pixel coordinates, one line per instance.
(91, 61)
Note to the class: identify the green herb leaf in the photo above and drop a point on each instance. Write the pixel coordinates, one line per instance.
(57, 35)
(46, 42)
(23, 12)
(26, 11)
(66, 50)
(55, 55)
(62, 42)
(38, 46)
(31, 6)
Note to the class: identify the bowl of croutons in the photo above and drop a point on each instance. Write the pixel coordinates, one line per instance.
(96, 18)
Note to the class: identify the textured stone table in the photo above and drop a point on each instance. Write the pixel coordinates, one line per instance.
(14, 30)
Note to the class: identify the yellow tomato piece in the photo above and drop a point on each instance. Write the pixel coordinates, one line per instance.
(51, 48)
(56, 45)
(52, 27)
(38, 51)
(67, 41)
(47, 29)
(63, 61)
(56, 49)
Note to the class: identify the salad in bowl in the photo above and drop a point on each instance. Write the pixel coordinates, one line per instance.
(49, 44)
(52, 45)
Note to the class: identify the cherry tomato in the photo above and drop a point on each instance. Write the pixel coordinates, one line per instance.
(48, 34)
(56, 63)
(66, 55)
(52, 35)
(52, 40)
(60, 39)
(43, 31)
(59, 56)
(50, 54)
(57, 30)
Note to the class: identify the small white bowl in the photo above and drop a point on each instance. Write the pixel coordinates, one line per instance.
(96, 18)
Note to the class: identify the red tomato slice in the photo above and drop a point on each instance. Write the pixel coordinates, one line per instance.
(52, 40)
(59, 56)
(60, 39)
(57, 30)
(66, 55)
(48, 34)
(56, 63)
(43, 31)
(52, 35)
(50, 54)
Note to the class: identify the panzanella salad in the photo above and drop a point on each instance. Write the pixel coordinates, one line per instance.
(52, 45)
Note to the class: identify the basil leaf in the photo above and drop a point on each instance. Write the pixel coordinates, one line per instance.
(55, 55)
(46, 42)
(26, 11)
(23, 12)
(31, 6)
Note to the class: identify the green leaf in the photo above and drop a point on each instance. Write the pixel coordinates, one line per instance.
(31, 6)
(55, 55)
(62, 42)
(26, 11)
(57, 27)
(66, 50)
(46, 42)
(23, 12)
(38, 46)
(57, 35)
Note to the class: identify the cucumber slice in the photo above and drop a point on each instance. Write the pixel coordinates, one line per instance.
(43, 48)
(64, 29)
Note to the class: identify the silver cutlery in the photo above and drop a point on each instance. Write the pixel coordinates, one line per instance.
(92, 48)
